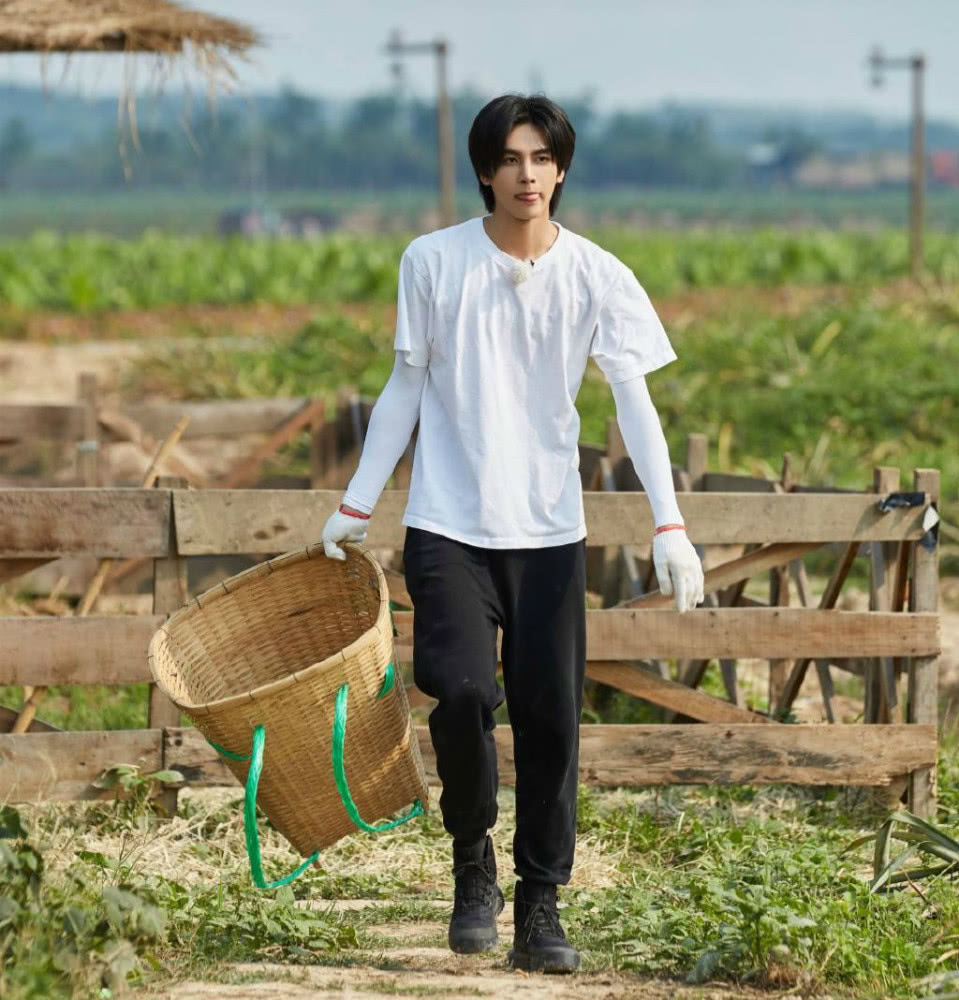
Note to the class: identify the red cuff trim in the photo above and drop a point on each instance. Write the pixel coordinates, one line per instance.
(669, 527)
(353, 513)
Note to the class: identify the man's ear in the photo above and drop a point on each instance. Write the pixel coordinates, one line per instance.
(488, 181)
(560, 177)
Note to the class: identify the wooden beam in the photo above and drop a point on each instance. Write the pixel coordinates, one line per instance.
(217, 418)
(61, 766)
(246, 471)
(10, 569)
(828, 600)
(94, 650)
(614, 634)
(114, 523)
(26, 421)
(112, 649)
(219, 522)
(669, 694)
(728, 573)
(924, 670)
(727, 482)
(710, 753)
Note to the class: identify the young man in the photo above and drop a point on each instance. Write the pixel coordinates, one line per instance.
(496, 320)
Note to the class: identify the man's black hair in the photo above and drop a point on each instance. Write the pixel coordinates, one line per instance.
(496, 120)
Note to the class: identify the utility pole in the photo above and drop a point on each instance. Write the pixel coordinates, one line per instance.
(397, 48)
(917, 181)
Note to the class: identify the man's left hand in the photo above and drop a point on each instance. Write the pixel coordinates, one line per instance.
(679, 569)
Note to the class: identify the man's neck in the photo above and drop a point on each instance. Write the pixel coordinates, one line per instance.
(524, 240)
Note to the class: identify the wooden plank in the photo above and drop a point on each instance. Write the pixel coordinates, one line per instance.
(10, 569)
(88, 450)
(669, 694)
(108, 523)
(111, 649)
(614, 634)
(170, 593)
(9, 716)
(94, 650)
(219, 418)
(219, 522)
(882, 701)
(727, 482)
(247, 469)
(924, 670)
(733, 571)
(25, 421)
(61, 766)
(697, 459)
(710, 753)
(828, 600)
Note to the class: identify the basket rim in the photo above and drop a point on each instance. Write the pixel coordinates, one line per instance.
(230, 584)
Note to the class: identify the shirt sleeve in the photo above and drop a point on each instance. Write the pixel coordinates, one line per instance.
(412, 314)
(629, 339)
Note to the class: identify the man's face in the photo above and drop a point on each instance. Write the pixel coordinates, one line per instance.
(527, 175)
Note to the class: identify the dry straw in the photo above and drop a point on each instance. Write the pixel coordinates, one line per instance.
(286, 646)
(115, 26)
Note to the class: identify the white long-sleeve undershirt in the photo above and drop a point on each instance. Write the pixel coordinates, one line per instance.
(391, 425)
(644, 439)
(396, 411)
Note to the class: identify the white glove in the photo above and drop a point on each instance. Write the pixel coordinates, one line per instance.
(342, 528)
(678, 568)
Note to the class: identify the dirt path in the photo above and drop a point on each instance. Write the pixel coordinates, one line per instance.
(414, 962)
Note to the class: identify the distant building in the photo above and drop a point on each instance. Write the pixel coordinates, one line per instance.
(849, 173)
(297, 222)
(944, 167)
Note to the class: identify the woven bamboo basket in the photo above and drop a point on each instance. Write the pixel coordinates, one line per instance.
(287, 646)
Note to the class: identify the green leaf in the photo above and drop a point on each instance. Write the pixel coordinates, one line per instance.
(167, 777)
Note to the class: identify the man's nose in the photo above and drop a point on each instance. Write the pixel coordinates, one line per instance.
(525, 170)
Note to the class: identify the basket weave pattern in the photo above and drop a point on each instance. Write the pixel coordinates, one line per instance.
(272, 646)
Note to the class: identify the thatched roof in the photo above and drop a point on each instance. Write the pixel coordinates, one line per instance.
(115, 26)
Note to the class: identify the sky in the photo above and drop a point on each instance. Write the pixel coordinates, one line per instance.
(804, 54)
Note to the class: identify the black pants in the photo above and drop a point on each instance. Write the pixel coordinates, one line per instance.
(460, 594)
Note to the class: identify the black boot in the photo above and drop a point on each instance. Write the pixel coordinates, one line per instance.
(539, 944)
(478, 900)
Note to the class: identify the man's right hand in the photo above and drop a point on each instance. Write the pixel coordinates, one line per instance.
(343, 528)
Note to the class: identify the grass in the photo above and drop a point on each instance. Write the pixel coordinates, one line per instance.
(743, 885)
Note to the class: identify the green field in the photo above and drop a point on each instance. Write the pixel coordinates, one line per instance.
(88, 273)
(193, 212)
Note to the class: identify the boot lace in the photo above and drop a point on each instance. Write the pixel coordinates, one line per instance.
(543, 919)
(474, 886)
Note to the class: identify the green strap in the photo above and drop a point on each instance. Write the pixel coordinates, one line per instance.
(249, 820)
(339, 772)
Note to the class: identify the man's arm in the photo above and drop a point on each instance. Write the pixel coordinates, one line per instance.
(391, 424)
(678, 567)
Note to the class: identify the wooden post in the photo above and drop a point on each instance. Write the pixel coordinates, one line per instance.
(882, 703)
(170, 593)
(924, 670)
(88, 450)
(697, 452)
(317, 451)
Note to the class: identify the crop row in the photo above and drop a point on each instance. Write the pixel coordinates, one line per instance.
(85, 273)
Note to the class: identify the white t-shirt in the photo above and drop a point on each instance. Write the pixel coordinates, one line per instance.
(497, 459)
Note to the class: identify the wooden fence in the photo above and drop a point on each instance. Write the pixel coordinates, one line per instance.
(897, 638)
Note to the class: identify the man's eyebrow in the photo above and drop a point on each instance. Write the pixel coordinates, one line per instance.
(536, 152)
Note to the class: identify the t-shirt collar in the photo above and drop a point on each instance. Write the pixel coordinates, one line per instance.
(509, 260)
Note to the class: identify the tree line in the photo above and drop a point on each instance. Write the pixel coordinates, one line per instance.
(383, 141)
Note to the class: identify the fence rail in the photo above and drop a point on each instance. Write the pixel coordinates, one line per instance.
(898, 636)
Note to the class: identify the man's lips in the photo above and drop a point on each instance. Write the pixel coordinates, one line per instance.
(530, 198)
